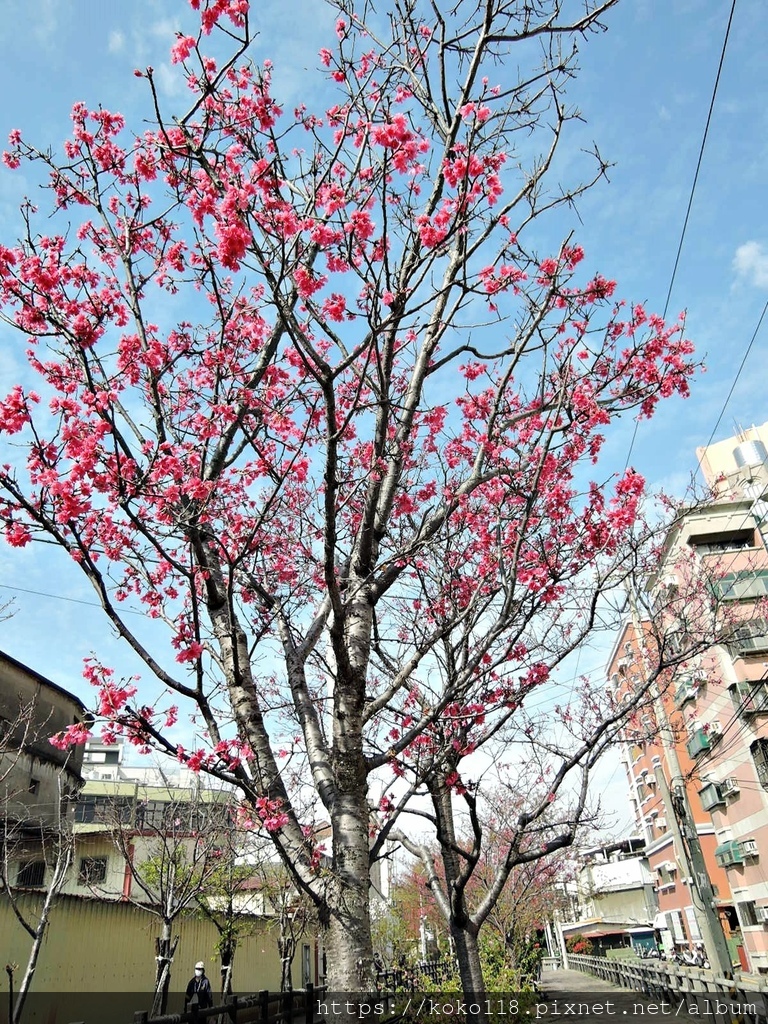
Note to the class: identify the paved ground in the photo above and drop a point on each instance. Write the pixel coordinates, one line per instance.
(571, 997)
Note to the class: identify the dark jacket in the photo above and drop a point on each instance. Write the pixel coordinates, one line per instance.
(201, 988)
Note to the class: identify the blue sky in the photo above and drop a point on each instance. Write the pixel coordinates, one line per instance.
(644, 92)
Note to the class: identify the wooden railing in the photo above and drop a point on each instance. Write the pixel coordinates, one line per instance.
(671, 982)
(297, 1007)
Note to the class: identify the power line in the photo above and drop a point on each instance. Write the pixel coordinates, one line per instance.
(698, 162)
(692, 193)
(61, 597)
(736, 378)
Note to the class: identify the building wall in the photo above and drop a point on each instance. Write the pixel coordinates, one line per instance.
(35, 778)
(720, 723)
(108, 946)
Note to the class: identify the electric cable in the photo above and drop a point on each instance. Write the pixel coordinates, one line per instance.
(692, 192)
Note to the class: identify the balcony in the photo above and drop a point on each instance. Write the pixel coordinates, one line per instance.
(742, 586)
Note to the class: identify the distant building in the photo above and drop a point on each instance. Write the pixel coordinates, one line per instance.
(38, 781)
(150, 821)
(613, 898)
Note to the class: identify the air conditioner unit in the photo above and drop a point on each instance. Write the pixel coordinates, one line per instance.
(714, 731)
(729, 786)
(700, 675)
(762, 914)
(729, 853)
(711, 796)
(686, 692)
(698, 743)
(749, 847)
(661, 823)
(650, 779)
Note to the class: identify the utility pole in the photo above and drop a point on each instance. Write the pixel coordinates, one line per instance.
(688, 847)
(674, 796)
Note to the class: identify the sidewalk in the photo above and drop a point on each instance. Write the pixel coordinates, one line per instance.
(571, 997)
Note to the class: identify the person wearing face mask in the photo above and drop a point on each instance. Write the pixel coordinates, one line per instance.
(199, 989)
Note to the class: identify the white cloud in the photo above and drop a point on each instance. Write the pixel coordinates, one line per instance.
(163, 28)
(46, 24)
(751, 262)
(116, 42)
(169, 81)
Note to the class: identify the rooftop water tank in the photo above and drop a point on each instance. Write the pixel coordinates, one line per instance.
(750, 453)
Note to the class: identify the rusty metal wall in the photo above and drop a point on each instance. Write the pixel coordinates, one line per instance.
(108, 946)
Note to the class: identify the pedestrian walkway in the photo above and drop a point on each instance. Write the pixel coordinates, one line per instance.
(572, 997)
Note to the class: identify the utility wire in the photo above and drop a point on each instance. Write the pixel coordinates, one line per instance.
(692, 193)
(736, 378)
(698, 162)
(60, 597)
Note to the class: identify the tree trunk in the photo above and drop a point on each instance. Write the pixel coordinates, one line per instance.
(29, 972)
(287, 948)
(227, 966)
(350, 968)
(349, 936)
(165, 951)
(60, 872)
(470, 972)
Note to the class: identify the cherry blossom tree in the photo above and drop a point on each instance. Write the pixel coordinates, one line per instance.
(308, 393)
(506, 779)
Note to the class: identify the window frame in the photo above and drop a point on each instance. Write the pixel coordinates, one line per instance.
(31, 867)
(85, 870)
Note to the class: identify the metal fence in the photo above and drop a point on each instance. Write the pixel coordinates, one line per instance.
(411, 979)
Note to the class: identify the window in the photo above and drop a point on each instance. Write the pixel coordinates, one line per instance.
(750, 638)
(750, 698)
(103, 756)
(34, 786)
(31, 874)
(103, 809)
(741, 586)
(746, 912)
(93, 870)
(759, 752)
(714, 544)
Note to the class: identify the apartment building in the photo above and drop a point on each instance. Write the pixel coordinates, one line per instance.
(703, 732)
(651, 765)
